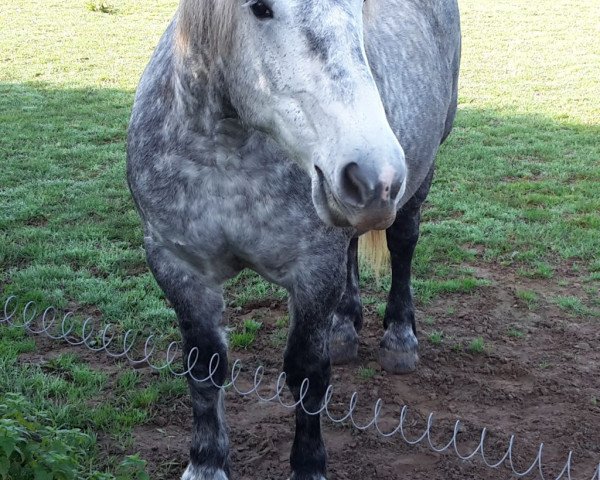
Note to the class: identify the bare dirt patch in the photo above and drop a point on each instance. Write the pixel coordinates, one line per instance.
(541, 384)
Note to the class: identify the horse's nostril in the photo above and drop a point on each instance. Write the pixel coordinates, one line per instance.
(356, 187)
(394, 189)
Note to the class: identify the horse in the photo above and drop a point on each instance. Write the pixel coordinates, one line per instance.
(270, 135)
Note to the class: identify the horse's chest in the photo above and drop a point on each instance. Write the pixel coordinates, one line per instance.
(260, 214)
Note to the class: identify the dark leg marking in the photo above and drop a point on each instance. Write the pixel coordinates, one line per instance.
(307, 356)
(348, 317)
(199, 309)
(399, 348)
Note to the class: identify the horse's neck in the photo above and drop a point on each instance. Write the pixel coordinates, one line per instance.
(208, 122)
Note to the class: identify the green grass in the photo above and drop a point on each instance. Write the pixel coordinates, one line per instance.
(435, 338)
(280, 335)
(249, 287)
(279, 338)
(477, 345)
(529, 297)
(244, 337)
(515, 333)
(283, 322)
(516, 185)
(102, 7)
(573, 305)
(366, 373)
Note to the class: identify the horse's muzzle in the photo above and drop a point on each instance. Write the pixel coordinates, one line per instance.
(363, 196)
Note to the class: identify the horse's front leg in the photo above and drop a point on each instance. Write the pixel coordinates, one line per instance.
(312, 303)
(399, 348)
(199, 308)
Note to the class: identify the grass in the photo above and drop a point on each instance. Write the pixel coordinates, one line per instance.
(435, 338)
(515, 333)
(529, 297)
(244, 338)
(516, 186)
(283, 322)
(573, 305)
(366, 373)
(279, 338)
(102, 7)
(380, 309)
(477, 345)
(280, 335)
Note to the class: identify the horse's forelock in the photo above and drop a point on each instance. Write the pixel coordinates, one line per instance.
(206, 24)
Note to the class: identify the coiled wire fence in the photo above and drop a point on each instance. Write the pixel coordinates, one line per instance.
(126, 346)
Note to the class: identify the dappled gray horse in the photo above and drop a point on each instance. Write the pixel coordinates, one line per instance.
(269, 135)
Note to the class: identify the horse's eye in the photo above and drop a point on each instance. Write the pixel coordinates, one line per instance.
(260, 10)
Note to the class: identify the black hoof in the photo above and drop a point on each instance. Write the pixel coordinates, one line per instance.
(343, 344)
(399, 350)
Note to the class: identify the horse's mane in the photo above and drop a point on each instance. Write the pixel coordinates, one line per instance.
(205, 24)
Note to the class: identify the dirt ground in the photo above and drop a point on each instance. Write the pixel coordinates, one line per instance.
(542, 387)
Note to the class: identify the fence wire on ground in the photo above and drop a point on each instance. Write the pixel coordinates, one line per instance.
(63, 327)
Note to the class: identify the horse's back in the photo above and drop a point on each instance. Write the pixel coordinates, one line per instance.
(413, 48)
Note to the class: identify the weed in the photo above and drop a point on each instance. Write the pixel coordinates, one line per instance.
(283, 322)
(529, 297)
(252, 326)
(477, 345)
(243, 339)
(249, 287)
(572, 305)
(515, 333)
(146, 397)
(369, 300)
(366, 373)
(33, 447)
(128, 380)
(436, 337)
(279, 338)
(381, 307)
(101, 7)
(537, 270)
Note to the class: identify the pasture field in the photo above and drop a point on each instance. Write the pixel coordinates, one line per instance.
(507, 272)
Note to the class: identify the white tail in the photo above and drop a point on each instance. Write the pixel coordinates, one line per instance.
(373, 251)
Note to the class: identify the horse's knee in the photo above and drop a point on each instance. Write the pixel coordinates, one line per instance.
(314, 366)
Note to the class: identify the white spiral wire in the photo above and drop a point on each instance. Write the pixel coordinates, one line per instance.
(47, 325)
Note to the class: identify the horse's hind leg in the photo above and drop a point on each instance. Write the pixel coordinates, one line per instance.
(307, 357)
(399, 349)
(348, 317)
(199, 311)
